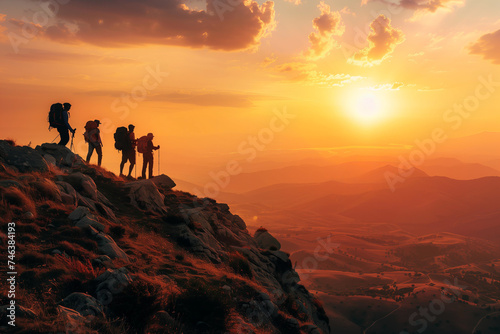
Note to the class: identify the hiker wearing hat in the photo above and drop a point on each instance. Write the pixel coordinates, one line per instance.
(93, 137)
(148, 156)
(128, 151)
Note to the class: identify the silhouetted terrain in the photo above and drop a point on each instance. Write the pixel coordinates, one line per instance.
(97, 254)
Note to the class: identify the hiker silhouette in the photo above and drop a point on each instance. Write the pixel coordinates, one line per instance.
(58, 118)
(92, 135)
(128, 151)
(146, 147)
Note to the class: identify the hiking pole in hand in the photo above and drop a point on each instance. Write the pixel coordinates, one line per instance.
(72, 137)
(55, 139)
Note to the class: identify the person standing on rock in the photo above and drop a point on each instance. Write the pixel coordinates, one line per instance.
(146, 147)
(93, 137)
(58, 118)
(128, 153)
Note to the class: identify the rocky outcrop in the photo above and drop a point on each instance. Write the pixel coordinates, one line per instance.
(163, 181)
(83, 184)
(22, 158)
(192, 239)
(61, 156)
(144, 195)
(266, 241)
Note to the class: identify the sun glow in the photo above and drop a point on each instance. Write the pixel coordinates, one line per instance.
(367, 107)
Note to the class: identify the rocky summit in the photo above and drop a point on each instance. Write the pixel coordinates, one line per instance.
(98, 254)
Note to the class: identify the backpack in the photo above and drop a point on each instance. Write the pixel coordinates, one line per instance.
(122, 139)
(91, 125)
(142, 144)
(56, 115)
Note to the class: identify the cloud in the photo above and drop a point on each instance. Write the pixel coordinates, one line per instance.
(296, 2)
(388, 86)
(198, 98)
(327, 25)
(421, 5)
(382, 40)
(308, 74)
(227, 26)
(269, 60)
(487, 46)
(346, 10)
(51, 56)
(211, 99)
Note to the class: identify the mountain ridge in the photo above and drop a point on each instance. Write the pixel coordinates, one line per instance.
(182, 263)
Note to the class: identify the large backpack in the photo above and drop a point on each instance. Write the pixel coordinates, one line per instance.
(56, 115)
(122, 139)
(142, 144)
(91, 125)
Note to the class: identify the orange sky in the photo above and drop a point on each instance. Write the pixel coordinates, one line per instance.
(363, 73)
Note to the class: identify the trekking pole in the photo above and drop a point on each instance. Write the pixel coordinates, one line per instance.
(158, 162)
(54, 139)
(72, 137)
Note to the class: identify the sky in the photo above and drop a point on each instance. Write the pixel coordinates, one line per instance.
(220, 77)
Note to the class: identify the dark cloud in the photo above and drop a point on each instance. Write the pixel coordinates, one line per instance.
(488, 46)
(382, 39)
(327, 25)
(225, 25)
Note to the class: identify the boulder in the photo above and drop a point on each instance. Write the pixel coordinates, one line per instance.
(68, 193)
(85, 201)
(83, 304)
(102, 261)
(22, 158)
(86, 221)
(266, 241)
(83, 184)
(103, 199)
(145, 195)
(74, 322)
(62, 155)
(79, 213)
(108, 246)
(105, 211)
(163, 181)
(110, 283)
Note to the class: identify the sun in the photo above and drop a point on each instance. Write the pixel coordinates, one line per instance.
(366, 107)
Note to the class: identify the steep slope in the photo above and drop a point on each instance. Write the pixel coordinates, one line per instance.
(97, 254)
